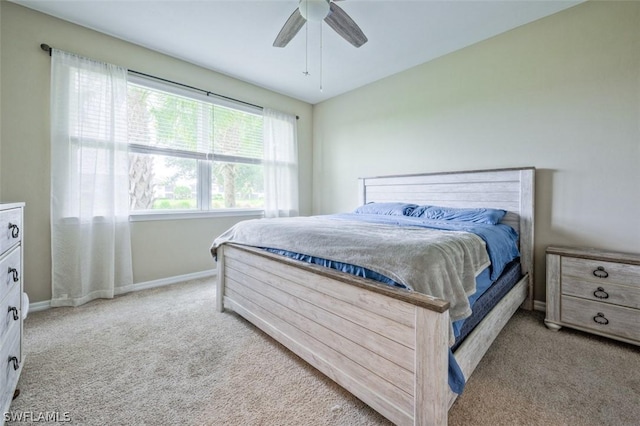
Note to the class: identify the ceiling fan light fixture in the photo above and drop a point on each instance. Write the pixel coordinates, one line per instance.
(314, 10)
(319, 10)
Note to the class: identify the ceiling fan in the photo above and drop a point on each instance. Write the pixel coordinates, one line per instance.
(318, 10)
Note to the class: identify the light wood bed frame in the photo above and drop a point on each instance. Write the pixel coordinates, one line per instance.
(386, 346)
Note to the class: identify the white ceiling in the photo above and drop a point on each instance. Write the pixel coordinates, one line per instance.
(235, 37)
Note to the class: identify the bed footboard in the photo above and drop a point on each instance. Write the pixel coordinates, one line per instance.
(390, 353)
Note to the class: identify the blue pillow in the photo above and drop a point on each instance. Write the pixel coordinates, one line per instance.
(479, 215)
(394, 209)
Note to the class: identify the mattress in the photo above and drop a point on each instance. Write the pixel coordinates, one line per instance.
(485, 303)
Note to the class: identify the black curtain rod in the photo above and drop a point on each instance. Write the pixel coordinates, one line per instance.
(48, 48)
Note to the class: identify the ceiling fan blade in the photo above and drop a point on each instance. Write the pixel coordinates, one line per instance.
(290, 29)
(345, 26)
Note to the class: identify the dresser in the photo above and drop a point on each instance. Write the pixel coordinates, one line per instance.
(595, 291)
(11, 299)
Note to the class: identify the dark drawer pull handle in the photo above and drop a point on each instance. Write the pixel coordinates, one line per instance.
(600, 293)
(600, 272)
(600, 319)
(16, 276)
(16, 316)
(15, 230)
(16, 363)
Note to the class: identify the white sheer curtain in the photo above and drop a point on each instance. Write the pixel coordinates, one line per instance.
(90, 237)
(280, 163)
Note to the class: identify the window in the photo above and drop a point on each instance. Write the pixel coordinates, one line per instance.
(192, 152)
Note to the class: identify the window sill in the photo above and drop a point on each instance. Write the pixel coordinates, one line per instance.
(146, 216)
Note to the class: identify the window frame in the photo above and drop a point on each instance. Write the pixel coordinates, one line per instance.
(204, 161)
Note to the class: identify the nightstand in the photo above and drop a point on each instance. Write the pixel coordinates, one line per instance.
(595, 291)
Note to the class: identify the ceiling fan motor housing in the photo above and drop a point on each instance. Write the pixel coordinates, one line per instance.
(314, 10)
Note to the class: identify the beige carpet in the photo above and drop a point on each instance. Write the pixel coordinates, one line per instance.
(165, 357)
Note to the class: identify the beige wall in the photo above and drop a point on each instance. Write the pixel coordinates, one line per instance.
(161, 249)
(561, 94)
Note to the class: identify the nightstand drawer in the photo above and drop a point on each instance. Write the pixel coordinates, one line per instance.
(604, 292)
(600, 271)
(608, 320)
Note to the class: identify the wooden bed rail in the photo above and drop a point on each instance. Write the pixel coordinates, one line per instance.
(414, 298)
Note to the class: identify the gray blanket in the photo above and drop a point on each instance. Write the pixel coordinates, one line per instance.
(443, 264)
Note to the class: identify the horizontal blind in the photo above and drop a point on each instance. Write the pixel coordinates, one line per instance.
(172, 121)
(89, 96)
(237, 133)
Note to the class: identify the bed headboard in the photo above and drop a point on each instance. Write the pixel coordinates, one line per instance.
(508, 189)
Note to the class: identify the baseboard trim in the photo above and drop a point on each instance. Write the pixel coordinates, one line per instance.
(39, 306)
(539, 306)
(46, 304)
(167, 281)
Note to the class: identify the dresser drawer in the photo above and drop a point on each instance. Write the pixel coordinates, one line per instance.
(10, 366)
(10, 312)
(601, 318)
(601, 271)
(10, 272)
(603, 291)
(10, 228)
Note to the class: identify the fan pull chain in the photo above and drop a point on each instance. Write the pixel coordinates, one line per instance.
(306, 48)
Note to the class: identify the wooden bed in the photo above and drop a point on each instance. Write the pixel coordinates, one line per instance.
(386, 346)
